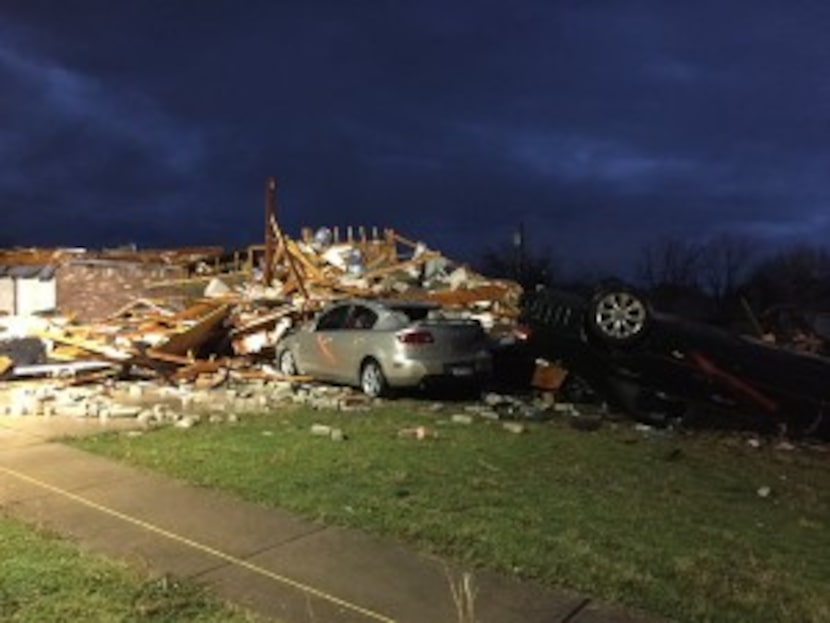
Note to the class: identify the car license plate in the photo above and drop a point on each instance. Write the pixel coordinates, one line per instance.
(461, 370)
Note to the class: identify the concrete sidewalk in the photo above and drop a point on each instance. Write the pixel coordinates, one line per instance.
(282, 567)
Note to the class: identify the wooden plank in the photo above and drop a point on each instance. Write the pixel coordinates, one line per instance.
(97, 348)
(179, 360)
(89, 377)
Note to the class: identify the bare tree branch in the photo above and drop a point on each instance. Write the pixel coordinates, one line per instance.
(671, 262)
(725, 263)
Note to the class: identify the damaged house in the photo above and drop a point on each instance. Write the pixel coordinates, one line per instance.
(201, 318)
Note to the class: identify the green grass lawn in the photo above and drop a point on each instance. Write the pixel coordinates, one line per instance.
(43, 579)
(673, 524)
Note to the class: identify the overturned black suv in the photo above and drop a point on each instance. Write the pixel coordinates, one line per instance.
(661, 368)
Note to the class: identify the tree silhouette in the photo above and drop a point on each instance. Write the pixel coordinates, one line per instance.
(670, 263)
(725, 263)
(798, 276)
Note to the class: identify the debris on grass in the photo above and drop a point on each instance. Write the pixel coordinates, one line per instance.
(418, 432)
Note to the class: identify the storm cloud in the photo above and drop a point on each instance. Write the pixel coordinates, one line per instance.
(598, 125)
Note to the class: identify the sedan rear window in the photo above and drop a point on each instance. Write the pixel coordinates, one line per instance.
(361, 318)
(414, 313)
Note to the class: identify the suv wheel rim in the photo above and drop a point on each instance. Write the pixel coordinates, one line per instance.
(620, 315)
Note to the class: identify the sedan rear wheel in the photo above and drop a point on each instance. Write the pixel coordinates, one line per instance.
(372, 380)
(287, 363)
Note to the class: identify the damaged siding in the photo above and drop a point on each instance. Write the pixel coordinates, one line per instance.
(26, 290)
(6, 295)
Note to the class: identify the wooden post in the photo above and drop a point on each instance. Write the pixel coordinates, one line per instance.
(270, 211)
(391, 245)
(279, 234)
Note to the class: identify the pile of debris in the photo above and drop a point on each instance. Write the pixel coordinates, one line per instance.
(241, 308)
(327, 264)
(152, 404)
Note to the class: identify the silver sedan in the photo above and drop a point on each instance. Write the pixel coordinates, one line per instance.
(377, 345)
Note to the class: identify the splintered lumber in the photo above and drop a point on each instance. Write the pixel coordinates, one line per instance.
(65, 352)
(6, 364)
(294, 251)
(179, 360)
(99, 349)
(401, 266)
(201, 368)
(465, 297)
(191, 339)
(198, 310)
(262, 375)
(320, 269)
(141, 305)
(264, 321)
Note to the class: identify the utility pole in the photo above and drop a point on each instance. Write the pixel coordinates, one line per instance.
(519, 244)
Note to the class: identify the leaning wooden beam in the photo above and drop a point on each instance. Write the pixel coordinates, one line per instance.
(298, 255)
(291, 264)
(405, 241)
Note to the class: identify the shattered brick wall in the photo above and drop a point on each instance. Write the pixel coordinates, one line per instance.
(96, 291)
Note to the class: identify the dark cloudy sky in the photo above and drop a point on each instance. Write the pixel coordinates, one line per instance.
(599, 124)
